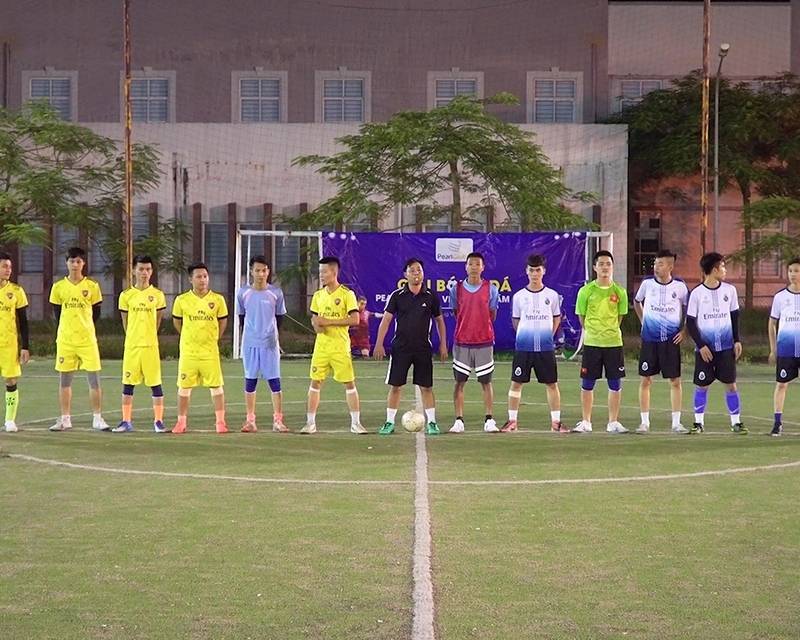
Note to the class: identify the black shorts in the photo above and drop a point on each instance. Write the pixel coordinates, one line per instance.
(660, 357)
(400, 363)
(596, 359)
(786, 368)
(543, 364)
(722, 368)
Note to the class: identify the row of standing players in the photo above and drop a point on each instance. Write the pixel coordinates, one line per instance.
(667, 311)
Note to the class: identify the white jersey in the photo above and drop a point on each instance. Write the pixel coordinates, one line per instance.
(663, 306)
(712, 309)
(535, 311)
(786, 310)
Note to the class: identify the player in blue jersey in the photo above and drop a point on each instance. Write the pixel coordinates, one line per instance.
(536, 314)
(712, 319)
(261, 308)
(660, 304)
(784, 339)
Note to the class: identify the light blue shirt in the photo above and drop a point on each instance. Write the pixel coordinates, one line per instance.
(259, 308)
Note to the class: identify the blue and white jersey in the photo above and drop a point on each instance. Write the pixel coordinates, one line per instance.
(535, 311)
(786, 310)
(259, 308)
(663, 306)
(712, 310)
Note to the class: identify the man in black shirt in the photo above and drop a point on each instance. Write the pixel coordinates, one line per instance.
(413, 306)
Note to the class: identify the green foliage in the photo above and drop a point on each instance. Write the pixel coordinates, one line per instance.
(57, 173)
(459, 148)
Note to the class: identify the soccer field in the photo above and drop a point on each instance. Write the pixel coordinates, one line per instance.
(533, 534)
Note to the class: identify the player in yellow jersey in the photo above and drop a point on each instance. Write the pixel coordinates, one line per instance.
(13, 337)
(334, 309)
(200, 316)
(142, 308)
(76, 304)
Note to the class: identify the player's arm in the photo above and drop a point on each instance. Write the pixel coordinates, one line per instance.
(442, 329)
(378, 352)
(772, 330)
(350, 321)
(279, 320)
(223, 324)
(556, 323)
(159, 318)
(737, 342)
(124, 316)
(24, 335)
(96, 312)
(515, 323)
(494, 298)
(57, 312)
(622, 305)
(639, 309)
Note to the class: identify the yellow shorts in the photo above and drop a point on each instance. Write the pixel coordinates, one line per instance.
(141, 364)
(322, 361)
(71, 358)
(193, 373)
(9, 362)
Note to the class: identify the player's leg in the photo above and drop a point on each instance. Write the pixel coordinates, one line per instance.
(211, 375)
(126, 424)
(786, 370)
(703, 377)
(725, 372)
(396, 377)
(614, 366)
(554, 403)
(676, 400)
(342, 364)
(157, 396)
(520, 374)
(151, 374)
(320, 365)
(461, 371)
(645, 383)
(544, 365)
(591, 370)
(483, 362)
(89, 357)
(250, 364)
(12, 402)
(271, 372)
(66, 365)
(131, 376)
(423, 379)
(187, 380)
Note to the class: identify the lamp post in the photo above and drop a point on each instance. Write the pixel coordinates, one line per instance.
(724, 48)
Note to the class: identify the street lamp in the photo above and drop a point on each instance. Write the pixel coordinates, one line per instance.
(724, 48)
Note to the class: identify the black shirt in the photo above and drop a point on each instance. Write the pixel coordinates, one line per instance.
(413, 315)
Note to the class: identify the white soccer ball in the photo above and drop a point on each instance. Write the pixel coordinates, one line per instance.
(413, 421)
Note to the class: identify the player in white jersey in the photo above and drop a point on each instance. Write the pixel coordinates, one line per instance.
(784, 339)
(536, 314)
(712, 319)
(660, 304)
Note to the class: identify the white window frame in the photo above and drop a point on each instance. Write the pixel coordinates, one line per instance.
(51, 73)
(767, 261)
(259, 73)
(342, 73)
(147, 73)
(553, 74)
(453, 74)
(616, 97)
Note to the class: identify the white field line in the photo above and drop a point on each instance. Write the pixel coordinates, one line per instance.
(422, 626)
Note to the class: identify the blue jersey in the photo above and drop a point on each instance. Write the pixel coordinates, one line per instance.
(786, 310)
(535, 311)
(663, 305)
(259, 308)
(712, 310)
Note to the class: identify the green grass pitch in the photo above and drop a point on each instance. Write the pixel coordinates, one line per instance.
(220, 539)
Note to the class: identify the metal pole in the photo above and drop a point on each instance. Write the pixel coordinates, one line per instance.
(128, 204)
(723, 51)
(704, 126)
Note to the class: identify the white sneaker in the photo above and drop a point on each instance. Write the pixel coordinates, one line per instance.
(679, 428)
(643, 428)
(309, 429)
(458, 427)
(616, 427)
(358, 429)
(583, 427)
(61, 425)
(11, 426)
(490, 426)
(98, 424)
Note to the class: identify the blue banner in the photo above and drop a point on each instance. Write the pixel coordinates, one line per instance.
(373, 265)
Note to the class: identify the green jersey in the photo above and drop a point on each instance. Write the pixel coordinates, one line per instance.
(601, 308)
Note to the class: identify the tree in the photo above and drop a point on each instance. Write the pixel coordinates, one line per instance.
(54, 172)
(664, 131)
(457, 149)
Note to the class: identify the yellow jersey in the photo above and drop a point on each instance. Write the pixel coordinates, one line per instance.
(142, 307)
(12, 297)
(335, 306)
(76, 328)
(200, 329)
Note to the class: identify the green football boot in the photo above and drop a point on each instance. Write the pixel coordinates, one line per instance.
(432, 429)
(387, 429)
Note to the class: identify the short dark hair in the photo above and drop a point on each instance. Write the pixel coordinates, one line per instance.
(5, 256)
(76, 252)
(795, 260)
(602, 254)
(475, 254)
(536, 260)
(142, 259)
(331, 260)
(411, 261)
(709, 261)
(360, 298)
(196, 265)
(260, 260)
(666, 253)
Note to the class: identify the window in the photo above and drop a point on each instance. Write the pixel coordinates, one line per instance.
(259, 96)
(152, 96)
(57, 88)
(443, 86)
(343, 96)
(32, 259)
(647, 241)
(769, 266)
(63, 239)
(632, 91)
(555, 97)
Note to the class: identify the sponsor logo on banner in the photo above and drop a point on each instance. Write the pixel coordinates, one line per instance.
(453, 249)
